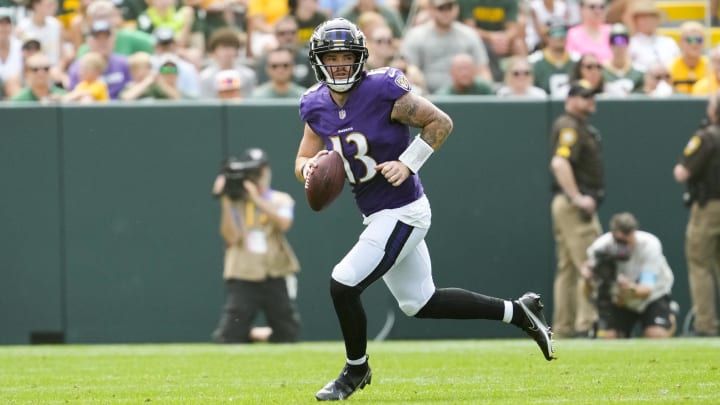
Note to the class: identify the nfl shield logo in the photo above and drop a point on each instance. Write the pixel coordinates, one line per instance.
(342, 114)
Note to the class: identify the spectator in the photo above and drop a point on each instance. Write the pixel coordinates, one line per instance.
(10, 47)
(592, 35)
(496, 24)
(691, 65)
(102, 41)
(463, 81)
(646, 46)
(656, 82)
(126, 41)
(620, 76)
(90, 86)
(553, 64)
(260, 265)
(698, 169)
(164, 14)
(15, 82)
(224, 51)
(589, 68)
(79, 24)
(145, 82)
(38, 84)
(432, 45)
(188, 78)
(542, 14)
(279, 68)
(262, 15)
(578, 188)
(381, 48)
(632, 280)
(286, 36)
(392, 18)
(519, 80)
(709, 84)
(43, 26)
(308, 16)
(228, 85)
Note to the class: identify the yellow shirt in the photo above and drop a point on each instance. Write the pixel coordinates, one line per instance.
(272, 10)
(98, 90)
(683, 78)
(704, 86)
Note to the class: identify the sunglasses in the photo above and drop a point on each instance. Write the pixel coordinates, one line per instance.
(519, 73)
(662, 77)
(446, 6)
(279, 65)
(619, 40)
(386, 41)
(39, 68)
(168, 70)
(288, 32)
(592, 66)
(694, 40)
(595, 7)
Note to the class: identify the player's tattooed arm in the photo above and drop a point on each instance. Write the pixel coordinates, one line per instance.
(417, 111)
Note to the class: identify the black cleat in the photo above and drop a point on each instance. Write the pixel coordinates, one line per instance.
(349, 380)
(536, 326)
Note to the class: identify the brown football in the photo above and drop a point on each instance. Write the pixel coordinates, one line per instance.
(326, 181)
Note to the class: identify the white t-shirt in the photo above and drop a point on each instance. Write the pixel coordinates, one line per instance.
(49, 36)
(647, 50)
(13, 64)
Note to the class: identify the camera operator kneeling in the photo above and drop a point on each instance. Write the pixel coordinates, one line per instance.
(630, 281)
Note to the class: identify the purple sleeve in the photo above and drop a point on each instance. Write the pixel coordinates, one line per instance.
(73, 73)
(393, 84)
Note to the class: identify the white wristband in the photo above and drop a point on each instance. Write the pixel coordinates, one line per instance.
(416, 154)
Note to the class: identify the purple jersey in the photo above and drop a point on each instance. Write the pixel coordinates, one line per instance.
(365, 136)
(116, 75)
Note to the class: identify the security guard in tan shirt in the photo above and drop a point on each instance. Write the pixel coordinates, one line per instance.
(578, 189)
(260, 265)
(699, 168)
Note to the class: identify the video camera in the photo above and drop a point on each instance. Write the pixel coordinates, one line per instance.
(237, 170)
(604, 278)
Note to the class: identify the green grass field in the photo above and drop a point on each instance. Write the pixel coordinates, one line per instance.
(674, 371)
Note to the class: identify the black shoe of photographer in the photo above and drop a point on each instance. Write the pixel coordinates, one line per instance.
(535, 325)
(350, 380)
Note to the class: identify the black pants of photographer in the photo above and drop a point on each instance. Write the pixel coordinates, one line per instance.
(243, 302)
(657, 313)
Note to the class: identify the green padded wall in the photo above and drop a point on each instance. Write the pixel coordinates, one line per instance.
(31, 285)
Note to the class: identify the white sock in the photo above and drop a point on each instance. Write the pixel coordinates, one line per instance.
(508, 314)
(357, 362)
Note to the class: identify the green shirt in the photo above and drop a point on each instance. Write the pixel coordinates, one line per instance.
(479, 87)
(489, 15)
(26, 94)
(266, 90)
(127, 43)
(551, 77)
(152, 92)
(633, 79)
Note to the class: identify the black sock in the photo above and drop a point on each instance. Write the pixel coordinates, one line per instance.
(519, 318)
(456, 303)
(351, 316)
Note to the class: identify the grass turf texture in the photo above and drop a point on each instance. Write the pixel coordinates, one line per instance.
(672, 371)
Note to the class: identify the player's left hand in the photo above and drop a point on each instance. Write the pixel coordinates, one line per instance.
(394, 171)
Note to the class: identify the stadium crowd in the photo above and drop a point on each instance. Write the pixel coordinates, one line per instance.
(98, 50)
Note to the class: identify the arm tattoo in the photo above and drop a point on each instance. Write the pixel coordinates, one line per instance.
(416, 111)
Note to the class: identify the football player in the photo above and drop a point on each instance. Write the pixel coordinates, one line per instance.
(365, 116)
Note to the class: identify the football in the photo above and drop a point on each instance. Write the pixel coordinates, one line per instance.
(326, 182)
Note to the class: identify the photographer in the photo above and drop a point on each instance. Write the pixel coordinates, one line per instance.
(260, 265)
(630, 280)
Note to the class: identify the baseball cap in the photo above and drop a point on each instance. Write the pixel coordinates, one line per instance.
(7, 14)
(164, 35)
(438, 3)
(557, 31)
(100, 26)
(227, 80)
(581, 88)
(619, 35)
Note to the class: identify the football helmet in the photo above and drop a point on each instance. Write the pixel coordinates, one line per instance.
(337, 35)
